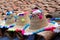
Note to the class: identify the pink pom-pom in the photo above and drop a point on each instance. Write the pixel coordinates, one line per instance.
(40, 16)
(50, 28)
(18, 30)
(33, 10)
(22, 31)
(26, 12)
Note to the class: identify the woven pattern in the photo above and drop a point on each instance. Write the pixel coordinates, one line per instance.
(26, 5)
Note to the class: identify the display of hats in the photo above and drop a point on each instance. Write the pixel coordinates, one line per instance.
(26, 20)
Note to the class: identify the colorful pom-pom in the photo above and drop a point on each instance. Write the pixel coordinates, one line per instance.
(52, 19)
(37, 11)
(50, 28)
(0, 26)
(40, 16)
(9, 13)
(12, 25)
(30, 16)
(5, 26)
(23, 20)
(53, 22)
(21, 31)
(27, 25)
(55, 19)
(26, 12)
(38, 31)
(21, 14)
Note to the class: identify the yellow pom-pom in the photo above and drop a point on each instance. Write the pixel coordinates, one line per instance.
(23, 20)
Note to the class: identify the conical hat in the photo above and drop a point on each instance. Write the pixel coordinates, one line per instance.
(22, 19)
(36, 23)
(10, 19)
(38, 20)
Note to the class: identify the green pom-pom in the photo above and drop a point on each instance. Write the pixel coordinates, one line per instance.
(23, 20)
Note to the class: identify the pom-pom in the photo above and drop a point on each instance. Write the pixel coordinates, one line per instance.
(30, 16)
(21, 14)
(53, 22)
(12, 25)
(27, 25)
(23, 20)
(40, 16)
(50, 28)
(52, 19)
(21, 31)
(26, 12)
(36, 11)
(9, 12)
(41, 30)
(5, 26)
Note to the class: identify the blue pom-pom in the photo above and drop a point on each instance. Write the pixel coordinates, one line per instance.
(27, 25)
(52, 19)
(53, 22)
(41, 30)
(57, 18)
(5, 27)
(9, 13)
(41, 11)
(30, 16)
(12, 25)
(21, 14)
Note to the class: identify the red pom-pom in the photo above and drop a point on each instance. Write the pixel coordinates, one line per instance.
(40, 16)
(21, 31)
(50, 28)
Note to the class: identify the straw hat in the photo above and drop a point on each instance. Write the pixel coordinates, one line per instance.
(22, 19)
(10, 19)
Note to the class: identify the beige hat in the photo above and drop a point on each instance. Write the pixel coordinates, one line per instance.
(23, 19)
(36, 23)
(10, 20)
